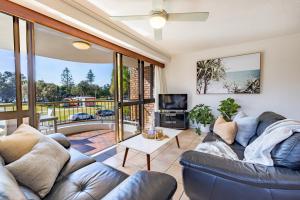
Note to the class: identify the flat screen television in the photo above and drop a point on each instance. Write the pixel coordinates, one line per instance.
(173, 101)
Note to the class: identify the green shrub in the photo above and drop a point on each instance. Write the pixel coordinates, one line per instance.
(228, 108)
(201, 114)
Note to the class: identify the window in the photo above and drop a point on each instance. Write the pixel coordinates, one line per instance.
(23, 63)
(7, 65)
(135, 100)
(14, 76)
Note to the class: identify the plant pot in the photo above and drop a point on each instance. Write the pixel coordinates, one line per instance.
(205, 129)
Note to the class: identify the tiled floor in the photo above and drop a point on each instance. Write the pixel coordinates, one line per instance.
(165, 159)
(92, 142)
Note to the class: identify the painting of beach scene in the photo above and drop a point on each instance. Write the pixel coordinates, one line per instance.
(229, 75)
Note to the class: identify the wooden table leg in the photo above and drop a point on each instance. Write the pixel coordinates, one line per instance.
(148, 162)
(125, 156)
(177, 141)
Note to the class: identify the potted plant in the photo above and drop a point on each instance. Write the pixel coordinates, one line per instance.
(228, 108)
(202, 117)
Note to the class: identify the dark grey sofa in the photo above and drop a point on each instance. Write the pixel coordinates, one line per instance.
(208, 177)
(82, 178)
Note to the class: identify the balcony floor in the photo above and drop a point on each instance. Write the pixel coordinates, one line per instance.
(92, 142)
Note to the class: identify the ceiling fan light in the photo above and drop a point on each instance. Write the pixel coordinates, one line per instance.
(81, 45)
(157, 21)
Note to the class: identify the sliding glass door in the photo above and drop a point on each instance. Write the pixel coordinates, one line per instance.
(135, 102)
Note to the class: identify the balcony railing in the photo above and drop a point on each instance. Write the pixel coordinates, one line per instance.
(77, 111)
(74, 111)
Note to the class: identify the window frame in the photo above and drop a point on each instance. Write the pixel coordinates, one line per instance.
(19, 113)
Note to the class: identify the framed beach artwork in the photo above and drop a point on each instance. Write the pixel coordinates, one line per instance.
(229, 75)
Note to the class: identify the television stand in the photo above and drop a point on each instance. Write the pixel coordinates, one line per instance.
(172, 119)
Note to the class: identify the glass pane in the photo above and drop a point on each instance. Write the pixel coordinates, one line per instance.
(148, 115)
(148, 81)
(130, 79)
(7, 127)
(23, 56)
(130, 120)
(7, 65)
(75, 86)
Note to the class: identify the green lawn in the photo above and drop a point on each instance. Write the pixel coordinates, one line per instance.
(62, 112)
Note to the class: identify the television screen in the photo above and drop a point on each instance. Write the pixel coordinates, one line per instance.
(173, 101)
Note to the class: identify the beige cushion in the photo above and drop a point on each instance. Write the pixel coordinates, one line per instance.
(9, 188)
(14, 146)
(39, 168)
(226, 130)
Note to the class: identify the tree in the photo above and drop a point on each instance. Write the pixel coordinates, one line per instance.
(83, 88)
(7, 87)
(50, 92)
(47, 91)
(40, 85)
(90, 77)
(126, 82)
(24, 90)
(207, 71)
(105, 91)
(66, 78)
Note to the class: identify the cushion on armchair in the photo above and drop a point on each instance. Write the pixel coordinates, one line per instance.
(226, 130)
(9, 188)
(287, 153)
(246, 128)
(39, 168)
(10, 148)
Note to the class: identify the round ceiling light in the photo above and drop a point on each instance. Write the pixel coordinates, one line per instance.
(81, 45)
(158, 20)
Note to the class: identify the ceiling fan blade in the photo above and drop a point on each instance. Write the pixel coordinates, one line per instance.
(130, 17)
(193, 16)
(157, 34)
(157, 4)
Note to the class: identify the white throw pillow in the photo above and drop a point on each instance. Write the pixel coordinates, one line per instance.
(246, 128)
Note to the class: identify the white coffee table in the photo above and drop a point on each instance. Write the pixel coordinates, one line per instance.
(148, 146)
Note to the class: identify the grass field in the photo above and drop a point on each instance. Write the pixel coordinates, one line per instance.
(63, 113)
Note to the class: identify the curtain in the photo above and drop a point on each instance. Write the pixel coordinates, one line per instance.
(160, 86)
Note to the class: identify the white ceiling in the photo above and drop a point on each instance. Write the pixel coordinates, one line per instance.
(54, 44)
(230, 21)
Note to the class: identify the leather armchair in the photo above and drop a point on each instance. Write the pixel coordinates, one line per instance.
(207, 176)
(82, 178)
(144, 185)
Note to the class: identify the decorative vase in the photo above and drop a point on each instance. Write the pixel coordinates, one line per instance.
(205, 129)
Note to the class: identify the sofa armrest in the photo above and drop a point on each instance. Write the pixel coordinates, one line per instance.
(238, 171)
(144, 185)
(61, 139)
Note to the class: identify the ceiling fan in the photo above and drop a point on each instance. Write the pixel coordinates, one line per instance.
(158, 17)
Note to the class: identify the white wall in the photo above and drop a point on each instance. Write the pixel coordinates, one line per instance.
(280, 76)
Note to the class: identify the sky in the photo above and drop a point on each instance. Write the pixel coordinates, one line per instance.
(242, 62)
(49, 69)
